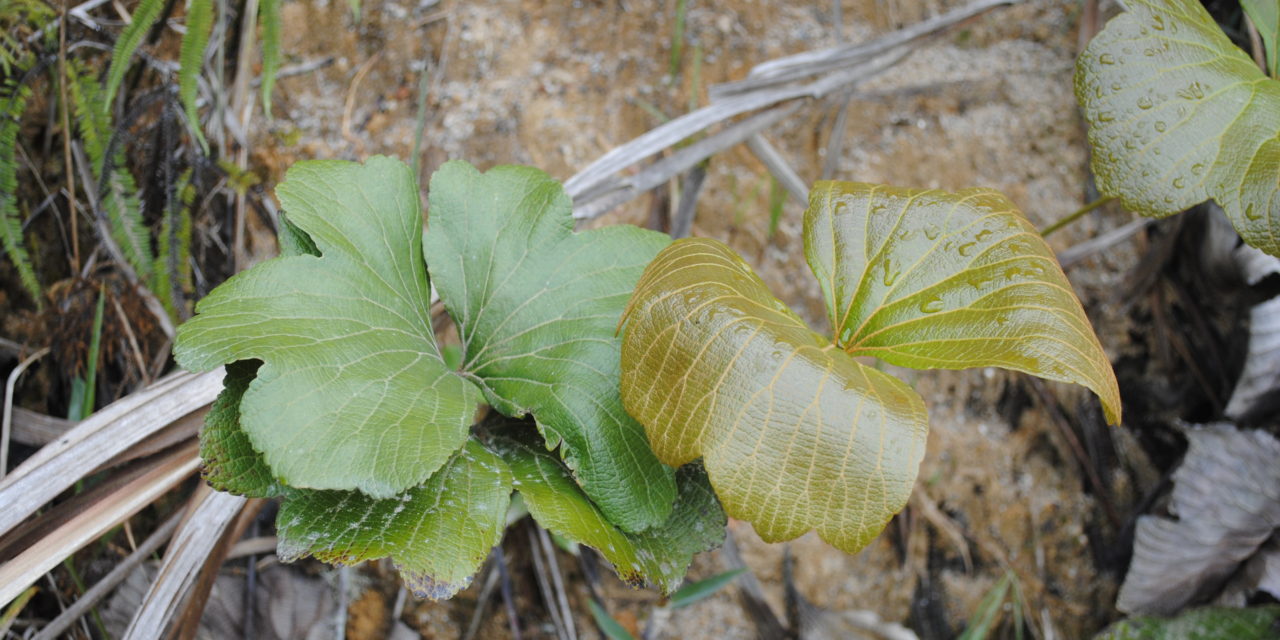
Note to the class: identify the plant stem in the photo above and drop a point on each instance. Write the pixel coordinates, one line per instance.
(1075, 215)
(420, 123)
(677, 41)
(91, 369)
(66, 140)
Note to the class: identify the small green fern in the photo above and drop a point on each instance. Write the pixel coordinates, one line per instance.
(12, 105)
(19, 18)
(191, 60)
(116, 188)
(144, 17)
(269, 15)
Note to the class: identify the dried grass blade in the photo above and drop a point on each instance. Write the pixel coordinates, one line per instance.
(99, 438)
(86, 526)
(212, 513)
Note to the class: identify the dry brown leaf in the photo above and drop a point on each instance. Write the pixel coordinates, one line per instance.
(1226, 501)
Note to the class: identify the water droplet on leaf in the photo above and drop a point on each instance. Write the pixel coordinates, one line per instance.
(932, 305)
(890, 274)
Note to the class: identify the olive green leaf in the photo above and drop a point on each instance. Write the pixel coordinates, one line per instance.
(1206, 623)
(231, 464)
(537, 308)
(794, 433)
(1179, 115)
(659, 556)
(352, 392)
(437, 533)
(935, 280)
(1265, 15)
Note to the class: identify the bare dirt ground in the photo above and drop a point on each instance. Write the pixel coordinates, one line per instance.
(986, 104)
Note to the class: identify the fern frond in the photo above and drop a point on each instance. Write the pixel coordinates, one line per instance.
(173, 261)
(10, 222)
(18, 19)
(269, 15)
(144, 17)
(191, 60)
(116, 188)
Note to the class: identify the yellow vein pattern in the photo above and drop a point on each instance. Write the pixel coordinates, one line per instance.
(659, 556)
(795, 435)
(537, 307)
(936, 280)
(352, 393)
(437, 534)
(1178, 115)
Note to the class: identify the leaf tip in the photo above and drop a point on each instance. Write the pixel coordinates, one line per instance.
(425, 586)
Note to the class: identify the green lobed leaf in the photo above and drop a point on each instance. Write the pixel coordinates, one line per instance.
(1178, 115)
(1208, 623)
(936, 280)
(795, 434)
(352, 393)
(437, 534)
(1265, 15)
(231, 464)
(537, 308)
(659, 556)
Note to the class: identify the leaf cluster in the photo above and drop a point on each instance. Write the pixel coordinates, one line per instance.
(338, 397)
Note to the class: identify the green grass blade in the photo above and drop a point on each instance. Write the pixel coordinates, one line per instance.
(144, 17)
(95, 348)
(702, 589)
(777, 197)
(75, 404)
(269, 16)
(14, 608)
(191, 60)
(988, 614)
(695, 79)
(677, 40)
(608, 626)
